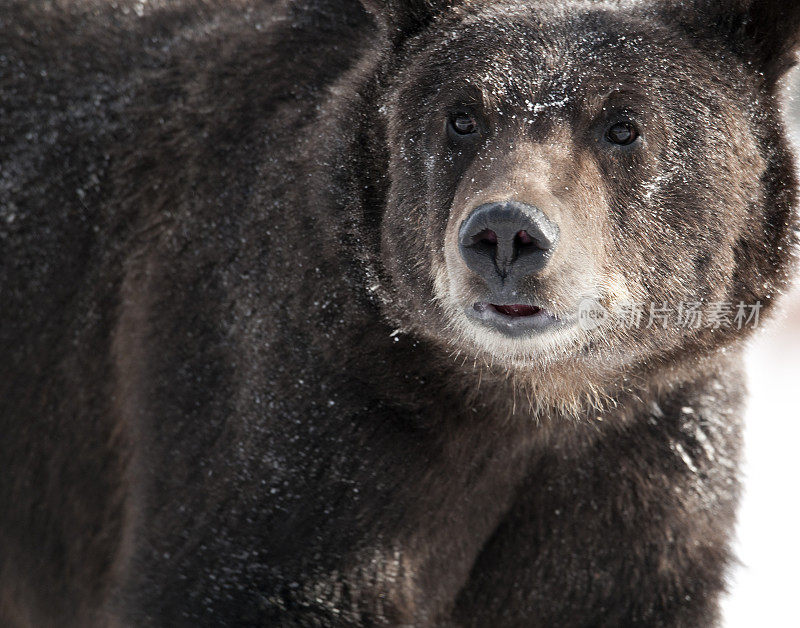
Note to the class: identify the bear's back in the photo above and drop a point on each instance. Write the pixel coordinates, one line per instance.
(121, 134)
(98, 105)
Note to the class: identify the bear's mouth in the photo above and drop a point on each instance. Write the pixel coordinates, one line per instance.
(516, 310)
(513, 319)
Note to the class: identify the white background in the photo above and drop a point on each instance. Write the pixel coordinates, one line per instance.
(765, 589)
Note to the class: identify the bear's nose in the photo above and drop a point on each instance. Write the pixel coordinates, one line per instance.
(504, 242)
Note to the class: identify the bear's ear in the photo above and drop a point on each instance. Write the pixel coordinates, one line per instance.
(401, 19)
(763, 32)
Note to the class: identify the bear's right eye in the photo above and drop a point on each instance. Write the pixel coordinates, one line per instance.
(622, 133)
(463, 123)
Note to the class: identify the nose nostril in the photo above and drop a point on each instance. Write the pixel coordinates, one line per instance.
(487, 236)
(524, 239)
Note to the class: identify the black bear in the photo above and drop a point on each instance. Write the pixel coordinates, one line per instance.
(419, 312)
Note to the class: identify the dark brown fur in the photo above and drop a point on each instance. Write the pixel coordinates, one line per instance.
(232, 391)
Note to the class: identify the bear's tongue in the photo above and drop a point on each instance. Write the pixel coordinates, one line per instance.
(516, 310)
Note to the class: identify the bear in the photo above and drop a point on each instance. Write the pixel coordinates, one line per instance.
(310, 309)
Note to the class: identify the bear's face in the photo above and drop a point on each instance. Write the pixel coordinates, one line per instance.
(602, 166)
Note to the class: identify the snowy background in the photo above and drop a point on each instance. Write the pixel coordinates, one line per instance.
(765, 588)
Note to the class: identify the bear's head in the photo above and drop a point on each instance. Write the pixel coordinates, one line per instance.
(580, 191)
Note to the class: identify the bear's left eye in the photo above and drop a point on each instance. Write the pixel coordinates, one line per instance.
(463, 123)
(622, 133)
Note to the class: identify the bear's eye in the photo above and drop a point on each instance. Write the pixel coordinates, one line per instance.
(622, 133)
(463, 123)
